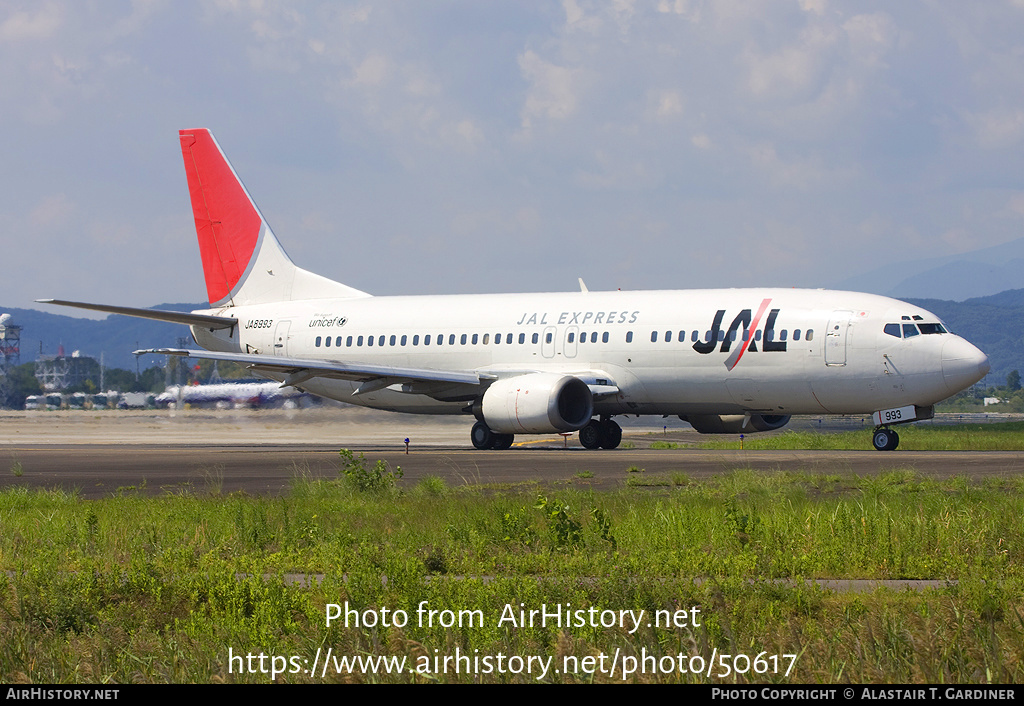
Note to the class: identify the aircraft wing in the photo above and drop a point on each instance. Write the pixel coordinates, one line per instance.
(299, 370)
(426, 381)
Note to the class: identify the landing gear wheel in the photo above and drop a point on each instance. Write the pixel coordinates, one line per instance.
(591, 435)
(502, 441)
(482, 436)
(885, 439)
(611, 434)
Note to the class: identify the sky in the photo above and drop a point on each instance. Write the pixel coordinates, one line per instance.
(466, 147)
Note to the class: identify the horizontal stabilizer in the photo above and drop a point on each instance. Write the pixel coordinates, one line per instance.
(174, 317)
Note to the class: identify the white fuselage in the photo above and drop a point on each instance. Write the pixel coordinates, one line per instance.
(680, 352)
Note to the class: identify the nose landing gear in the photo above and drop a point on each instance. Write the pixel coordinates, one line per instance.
(885, 439)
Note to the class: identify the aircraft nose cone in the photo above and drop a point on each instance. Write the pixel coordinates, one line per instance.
(962, 364)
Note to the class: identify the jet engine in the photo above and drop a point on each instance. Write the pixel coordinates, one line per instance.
(735, 423)
(536, 403)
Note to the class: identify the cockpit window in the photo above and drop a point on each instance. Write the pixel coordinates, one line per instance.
(909, 330)
(893, 330)
(932, 328)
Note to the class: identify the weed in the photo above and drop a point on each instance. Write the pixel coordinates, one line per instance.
(213, 478)
(16, 469)
(604, 526)
(743, 523)
(377, 479)
(566, 531)
(584, 474)
(435, 561)
(432, 486)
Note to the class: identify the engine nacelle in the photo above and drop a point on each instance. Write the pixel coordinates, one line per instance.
(537, 403)
(734, 423)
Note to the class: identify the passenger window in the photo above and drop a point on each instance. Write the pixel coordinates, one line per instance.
(570, 337)
(369, 340)
(451, 339)
(426, 340)
(536, 338)
(721, 335)
(416, 340)
(682, 336)
(404, 339)
(593, 337)
(522, 338)
(668, 337)
(463, 339)
(548, 337)
(359, 341)
(893, 330)
(440, 339)
(796, 334)
(746, 334)
(629, 336)
(604, 337)
(768, 334)
(327, 342)
(909, 330)
(497, 339)
(337, 342)
(809, 335)
(393, 340)
(476, 337)
(508, 338)
(348, 342)
(782, 336)
(654, 336)
(317, 344)
(487, 338)
(695, 336)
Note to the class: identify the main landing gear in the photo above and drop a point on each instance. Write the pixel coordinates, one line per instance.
(484, 438)
(603, 434)
(885, 439)
(597, 434)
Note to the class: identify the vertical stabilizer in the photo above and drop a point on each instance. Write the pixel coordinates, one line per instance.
(242, 260)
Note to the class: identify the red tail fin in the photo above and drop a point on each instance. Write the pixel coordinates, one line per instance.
(227, 221)
(234, 237)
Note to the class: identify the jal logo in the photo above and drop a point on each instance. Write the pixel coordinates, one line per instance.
(748, 323)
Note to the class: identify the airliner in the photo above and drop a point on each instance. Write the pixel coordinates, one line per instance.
(723, 360)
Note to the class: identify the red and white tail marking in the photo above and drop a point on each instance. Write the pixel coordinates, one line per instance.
(242, 261)
(228, 223)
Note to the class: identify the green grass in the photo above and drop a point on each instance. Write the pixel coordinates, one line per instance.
(155, 589)
(1003, 436)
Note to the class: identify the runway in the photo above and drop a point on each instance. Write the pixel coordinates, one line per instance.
(153, 453)
(102, 470)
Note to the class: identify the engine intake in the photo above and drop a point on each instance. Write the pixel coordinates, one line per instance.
(537, 403)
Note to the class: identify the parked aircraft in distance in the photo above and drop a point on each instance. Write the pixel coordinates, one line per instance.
(724, 360)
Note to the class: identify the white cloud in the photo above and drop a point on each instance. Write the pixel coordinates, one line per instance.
(998, 128)
(26, 26)
(552, 92)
